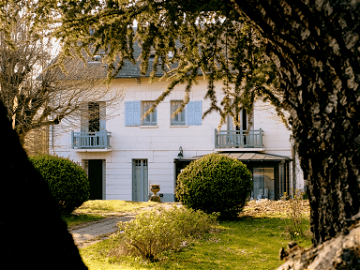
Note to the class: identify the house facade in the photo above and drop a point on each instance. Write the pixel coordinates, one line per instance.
(124, 153)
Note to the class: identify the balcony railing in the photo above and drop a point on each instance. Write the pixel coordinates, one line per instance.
(90, 140)
(238, 139)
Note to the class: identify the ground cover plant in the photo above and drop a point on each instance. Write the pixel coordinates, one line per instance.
(251, 242)
(215, 183)
(161, 229)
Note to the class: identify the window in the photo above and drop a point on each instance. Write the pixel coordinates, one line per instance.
(150, 119)
(95, 59)
(178, 119)
(264, 184)
(93, 116)
(135, 109)
(242, 118)
(191, 115)
(152, 55)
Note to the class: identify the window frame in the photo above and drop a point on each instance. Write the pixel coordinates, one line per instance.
(182, 121)
(151, 116)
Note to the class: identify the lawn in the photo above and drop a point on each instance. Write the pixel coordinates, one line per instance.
(251, 242)
(97, 209)
(77, 219)
(111, 206)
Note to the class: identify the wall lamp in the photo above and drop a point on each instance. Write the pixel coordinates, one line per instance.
(181, 153)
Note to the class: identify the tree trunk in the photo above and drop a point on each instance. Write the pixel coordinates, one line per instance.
(315, 46)
(33, 234)
(341, 252)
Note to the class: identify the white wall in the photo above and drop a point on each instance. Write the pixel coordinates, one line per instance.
(160, 144)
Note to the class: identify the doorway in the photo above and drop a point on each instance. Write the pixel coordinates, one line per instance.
(95, 175)
(140, 191)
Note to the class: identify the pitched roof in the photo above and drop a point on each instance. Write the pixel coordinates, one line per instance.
(96, 69)
(130, 70)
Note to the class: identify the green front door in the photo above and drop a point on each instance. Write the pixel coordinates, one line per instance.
(95, 172)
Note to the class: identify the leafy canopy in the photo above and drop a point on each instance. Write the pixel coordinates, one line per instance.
(186, 38)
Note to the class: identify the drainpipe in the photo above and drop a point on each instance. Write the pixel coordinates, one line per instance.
(293, 154)
(52, 138)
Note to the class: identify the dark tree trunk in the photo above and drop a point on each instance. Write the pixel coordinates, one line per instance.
(32, 232)
(316, 48)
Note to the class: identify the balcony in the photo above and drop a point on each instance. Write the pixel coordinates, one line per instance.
(95, 141)
(234, 139)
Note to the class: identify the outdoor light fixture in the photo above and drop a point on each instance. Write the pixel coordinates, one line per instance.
(181, 154)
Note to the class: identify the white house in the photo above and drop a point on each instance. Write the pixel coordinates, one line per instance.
(124, 154)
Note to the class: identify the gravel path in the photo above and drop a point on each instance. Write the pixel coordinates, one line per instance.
(99, 230)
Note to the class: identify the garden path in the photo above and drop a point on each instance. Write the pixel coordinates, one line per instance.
(96, 231)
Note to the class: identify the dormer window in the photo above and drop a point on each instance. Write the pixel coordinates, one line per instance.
(152, 55)
(95, 59)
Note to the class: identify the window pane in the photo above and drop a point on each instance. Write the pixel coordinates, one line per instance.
(153, 117)
(264, 187)
(150, 119)
(178, 119)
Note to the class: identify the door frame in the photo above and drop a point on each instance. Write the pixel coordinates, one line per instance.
(85, 166)
(145, 186)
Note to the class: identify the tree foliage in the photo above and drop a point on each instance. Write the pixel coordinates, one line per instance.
(35, 94)
(219, 45)
(313, 44)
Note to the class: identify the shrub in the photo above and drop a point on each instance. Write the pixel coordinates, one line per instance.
(215, 183)
(67, 181)
(295, 212)
(160, 229)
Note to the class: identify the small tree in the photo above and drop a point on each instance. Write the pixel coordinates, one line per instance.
(36, 94)
(215, 183)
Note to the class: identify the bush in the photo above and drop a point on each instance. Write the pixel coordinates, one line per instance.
(295, 214)
(160, 229)
(215, 183)
(67, 181)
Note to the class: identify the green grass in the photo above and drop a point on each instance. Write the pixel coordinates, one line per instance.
(77, 219)
(97, 209)
(249, 243)
(100, 206)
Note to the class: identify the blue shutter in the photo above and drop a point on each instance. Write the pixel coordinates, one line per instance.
(190, 113)
(197, 112)
(194, 113)
(154, 117)
(129, 113)
(132, 113)
(136, 113)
